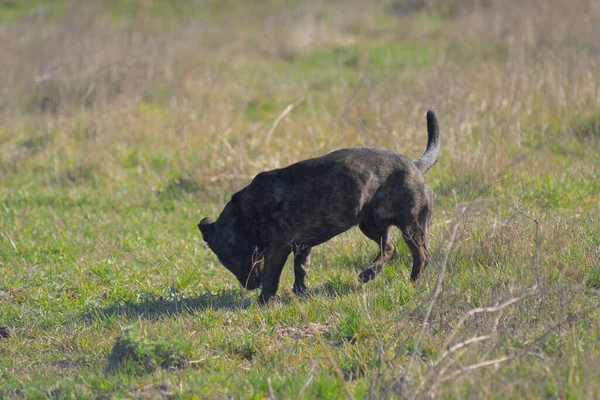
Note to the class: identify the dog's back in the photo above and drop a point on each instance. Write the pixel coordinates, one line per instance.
(317, 199)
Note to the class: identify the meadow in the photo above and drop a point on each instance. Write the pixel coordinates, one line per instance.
(123, 123)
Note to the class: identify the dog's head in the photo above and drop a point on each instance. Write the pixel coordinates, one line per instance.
(232, 245)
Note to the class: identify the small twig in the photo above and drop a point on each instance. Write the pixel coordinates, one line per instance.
(277, 121)
(7, 236)
(229, 177)
(281, 116)
(309, 379)
(490, 309)
(200, 360)
(472, 367)
(271, 391)
(229, 147)
(464, 343)
(450, 351)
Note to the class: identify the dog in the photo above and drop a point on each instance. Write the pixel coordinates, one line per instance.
(292, 209)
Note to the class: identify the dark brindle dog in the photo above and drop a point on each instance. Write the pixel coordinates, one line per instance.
(295, 208)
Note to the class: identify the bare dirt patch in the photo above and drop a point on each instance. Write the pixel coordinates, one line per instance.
(303, 331)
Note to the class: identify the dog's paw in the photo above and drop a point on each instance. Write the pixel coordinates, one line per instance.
(367, 275)
(300, 289)
(264, 299)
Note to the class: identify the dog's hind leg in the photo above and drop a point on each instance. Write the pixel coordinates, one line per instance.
(301, 265)
(415, 236)
(387, 250)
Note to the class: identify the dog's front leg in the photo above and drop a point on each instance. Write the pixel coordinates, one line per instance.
(275, 257)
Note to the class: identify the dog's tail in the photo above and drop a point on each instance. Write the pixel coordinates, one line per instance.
(430, 157)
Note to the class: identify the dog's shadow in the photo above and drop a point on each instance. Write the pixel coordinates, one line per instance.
(153, 307)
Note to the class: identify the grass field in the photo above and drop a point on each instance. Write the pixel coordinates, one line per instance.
(123, 123)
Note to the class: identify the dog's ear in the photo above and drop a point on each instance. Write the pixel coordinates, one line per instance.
(207, 228)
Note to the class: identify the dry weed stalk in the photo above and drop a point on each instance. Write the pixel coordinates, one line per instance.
(436, 373)
(426, 390)
(436, 291)
(448, 365)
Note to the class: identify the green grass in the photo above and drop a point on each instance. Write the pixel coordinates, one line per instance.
(14, 10)
(100, 195)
